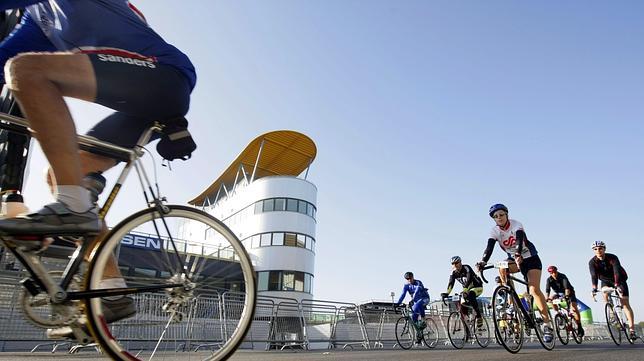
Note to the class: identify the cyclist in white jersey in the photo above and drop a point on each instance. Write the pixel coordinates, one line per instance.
(522, 256)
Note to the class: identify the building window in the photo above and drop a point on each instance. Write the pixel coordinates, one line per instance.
(269, 205)
(290, 239)
(285, 281)
(265, 240)
(291, 205)
(278, 239)
(280, 204)
(258, 207)
(301, 241)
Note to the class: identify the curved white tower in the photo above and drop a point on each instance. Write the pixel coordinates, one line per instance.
(272, 210)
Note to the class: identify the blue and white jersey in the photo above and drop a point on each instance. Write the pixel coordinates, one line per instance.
(416, 290)
(111, 27)
(507, 239)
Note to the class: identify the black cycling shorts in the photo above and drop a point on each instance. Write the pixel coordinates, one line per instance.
(141, 92)
(529, 263)
(623, 284)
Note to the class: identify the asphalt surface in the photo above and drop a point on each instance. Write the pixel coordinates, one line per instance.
(589, 351)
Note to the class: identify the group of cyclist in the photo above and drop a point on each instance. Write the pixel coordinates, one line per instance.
(523, 257)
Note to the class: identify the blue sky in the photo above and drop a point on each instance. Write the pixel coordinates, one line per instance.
(424, 113)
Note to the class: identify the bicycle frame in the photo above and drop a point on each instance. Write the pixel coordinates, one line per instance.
(40, 279)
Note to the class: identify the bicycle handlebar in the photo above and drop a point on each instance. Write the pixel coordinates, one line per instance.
(481, 269)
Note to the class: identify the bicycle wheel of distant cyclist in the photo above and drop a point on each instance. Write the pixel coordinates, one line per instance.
(482, 333)
(575, 332)
(405, 336)
(561, 326)
(190, 284)
(508, 321)
(539, 323)
(614, 324)
(456, 330)
(430, 333)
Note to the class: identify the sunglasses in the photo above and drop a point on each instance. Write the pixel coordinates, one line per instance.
(596, 248)
(499, 215)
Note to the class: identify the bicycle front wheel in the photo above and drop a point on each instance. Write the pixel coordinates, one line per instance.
(561, 326)
(189, 284)
(456, 330)
(508, 319)
(405, 336)
(614, 324)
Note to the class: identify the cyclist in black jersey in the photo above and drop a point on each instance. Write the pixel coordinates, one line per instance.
(472, 286)
(560, 284)
(607, 268)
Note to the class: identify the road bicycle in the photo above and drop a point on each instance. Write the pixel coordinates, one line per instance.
(185, 259)
(615, 316)
(462, 325)
(408, 333)
(514, 317)
(565, 324)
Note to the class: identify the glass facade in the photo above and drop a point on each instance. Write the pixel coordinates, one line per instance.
(288, 239)
(285, 281)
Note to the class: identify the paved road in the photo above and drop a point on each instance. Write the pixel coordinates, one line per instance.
(591, 351)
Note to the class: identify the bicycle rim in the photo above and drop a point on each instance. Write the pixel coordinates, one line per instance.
(562, 329)
(430, 334)
(508, 321)
(404, 334)
(456, 330)
(210, 306)
(538, 323)
(483, 334)
(614, 326)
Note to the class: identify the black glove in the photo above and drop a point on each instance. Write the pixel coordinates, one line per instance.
(480, 265)
(444, 295)
(411, 304)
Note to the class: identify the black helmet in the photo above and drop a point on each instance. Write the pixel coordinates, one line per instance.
(455, 259)
(497, 207)
(408, 275)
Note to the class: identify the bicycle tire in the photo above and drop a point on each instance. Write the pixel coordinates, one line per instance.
(197, 297)
(484, 339)
(508, 322)
(613, 323)
(575, 332)
(539, 331)
(404, 334)
(455, 325)
(561, 326)
(430, 333)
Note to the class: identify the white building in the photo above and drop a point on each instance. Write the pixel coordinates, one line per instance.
(264, 197)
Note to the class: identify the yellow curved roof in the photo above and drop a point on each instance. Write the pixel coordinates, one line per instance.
(284, 152)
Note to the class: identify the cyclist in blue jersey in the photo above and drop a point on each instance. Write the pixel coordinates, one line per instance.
(419, 299)
(101, 51)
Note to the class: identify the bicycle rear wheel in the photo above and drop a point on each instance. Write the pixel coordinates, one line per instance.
(456, 330)
(538, 328)
(508, 321)
(405, 336)
(561, 326)
(614, 324)
(482, 333)
(430, 333)
(200, 283)
(575, 332)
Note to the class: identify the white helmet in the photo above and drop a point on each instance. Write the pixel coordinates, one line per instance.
(597, 244)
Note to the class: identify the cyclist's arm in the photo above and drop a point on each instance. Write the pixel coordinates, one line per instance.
(402, 296)
(548, 287)
(419, 288)
(521, 238)
(26, 37)
(565, 283)
(616, 270)
(450, 284)
(488, 250)
(593, 273)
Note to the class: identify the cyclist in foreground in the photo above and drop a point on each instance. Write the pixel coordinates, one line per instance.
(607, 268)
(102, 52)
(522, 256)
(472, 286)
(560, 284)
(419, 299)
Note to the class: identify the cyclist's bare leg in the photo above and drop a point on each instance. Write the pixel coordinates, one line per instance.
(93, 163)
(628, 311)
(39, 81)
(534, 280)
(575, 312)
